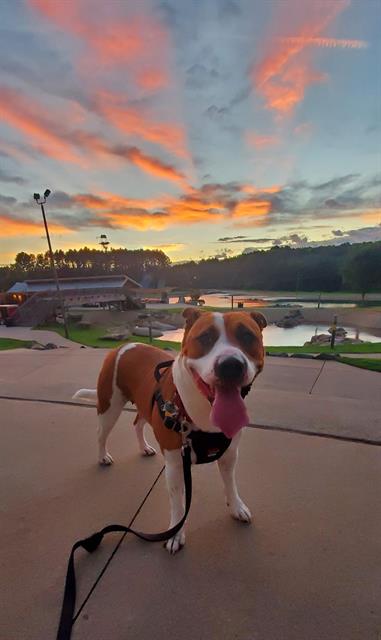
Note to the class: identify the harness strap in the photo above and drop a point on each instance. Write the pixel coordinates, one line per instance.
(160, 366)
(91, 543)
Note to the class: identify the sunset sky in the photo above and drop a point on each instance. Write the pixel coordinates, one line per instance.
(202, 127)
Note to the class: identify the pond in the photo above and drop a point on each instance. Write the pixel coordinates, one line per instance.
(277, 336)
(253, 299)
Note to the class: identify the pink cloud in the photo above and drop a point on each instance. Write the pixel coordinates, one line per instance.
(284, 73)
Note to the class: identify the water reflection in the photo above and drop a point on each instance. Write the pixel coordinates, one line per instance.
(277, 336)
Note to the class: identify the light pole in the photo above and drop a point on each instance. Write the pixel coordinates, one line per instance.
(41, 202)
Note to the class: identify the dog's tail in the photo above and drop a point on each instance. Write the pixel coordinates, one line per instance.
(86, 394)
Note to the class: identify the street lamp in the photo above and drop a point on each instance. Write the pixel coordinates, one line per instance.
(41, 202)
(103, 241)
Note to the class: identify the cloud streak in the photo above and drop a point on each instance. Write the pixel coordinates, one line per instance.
(285, 72)
(73, 146)
(326, 43)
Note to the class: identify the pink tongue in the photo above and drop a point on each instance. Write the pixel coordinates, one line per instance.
(229, 412)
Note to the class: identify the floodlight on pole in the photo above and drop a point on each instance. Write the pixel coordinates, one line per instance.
(41, 202)
(103, 241)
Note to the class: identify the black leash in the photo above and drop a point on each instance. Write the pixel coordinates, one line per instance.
(91, 543)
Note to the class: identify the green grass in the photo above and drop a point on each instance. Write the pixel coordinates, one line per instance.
(363, 363)
(9, 343)
(371, 347)
(91, 337)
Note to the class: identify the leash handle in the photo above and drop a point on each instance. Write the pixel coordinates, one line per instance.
(91, 543)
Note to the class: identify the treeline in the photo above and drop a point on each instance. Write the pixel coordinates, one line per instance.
(353, 267)
(144, 266)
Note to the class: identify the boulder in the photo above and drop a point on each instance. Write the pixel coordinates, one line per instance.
(320, 338)
(117, 336)
(51, 345)
(163, 326)
(340, 331)
(291, 319)
(144, 332)
(84, 324)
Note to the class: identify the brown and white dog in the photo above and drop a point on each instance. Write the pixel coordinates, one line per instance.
(220, 355)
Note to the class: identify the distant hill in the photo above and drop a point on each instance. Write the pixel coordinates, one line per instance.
(354, 267)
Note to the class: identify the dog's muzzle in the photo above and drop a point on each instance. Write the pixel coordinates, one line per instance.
(230, 370)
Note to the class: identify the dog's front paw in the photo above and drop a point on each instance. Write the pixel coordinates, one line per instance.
(106, 460)
(175, 544)
(239, 511)
(148, 450)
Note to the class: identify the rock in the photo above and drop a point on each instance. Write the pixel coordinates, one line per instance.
(320, 338)
(277, 355)
(144, 332)
(327, 356)
(51, 345)
(306, 356)
(117, 336)
(37, 347)
(84, 324)
(163, 326)
(340, 331)
(291, 319)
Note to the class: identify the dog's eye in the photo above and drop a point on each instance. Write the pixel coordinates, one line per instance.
(245, 336)
(207, 339)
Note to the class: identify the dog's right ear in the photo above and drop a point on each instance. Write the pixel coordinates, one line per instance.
(190, 315)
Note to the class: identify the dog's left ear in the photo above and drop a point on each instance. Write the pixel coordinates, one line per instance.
(259, 319)
(191, 315)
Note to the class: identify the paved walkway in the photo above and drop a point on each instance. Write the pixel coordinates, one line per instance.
(307, 569)
(40, 335)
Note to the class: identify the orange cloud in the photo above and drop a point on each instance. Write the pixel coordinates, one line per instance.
(372, 215)
(251, 208)
(134, 122)
(105, 200)
(261, 141)
(248, 188)
(282, 76)
(32, 120)
(148, 163)
(138, 42)
(24, 227)
(139, 219)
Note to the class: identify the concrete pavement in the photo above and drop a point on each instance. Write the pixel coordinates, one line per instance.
(307, 395)
(39, 335)
(309, 568)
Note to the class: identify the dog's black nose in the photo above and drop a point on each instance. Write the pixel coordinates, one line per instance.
(230, 369)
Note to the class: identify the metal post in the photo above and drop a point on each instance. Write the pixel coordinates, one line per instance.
(232, 302)
(333, 332)
(60, 297)
(150, 328)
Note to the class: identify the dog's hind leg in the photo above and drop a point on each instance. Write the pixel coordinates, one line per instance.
(227, 464)
(106, 421)
(144, 447)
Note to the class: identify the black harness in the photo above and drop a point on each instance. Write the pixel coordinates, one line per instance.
(207, 446)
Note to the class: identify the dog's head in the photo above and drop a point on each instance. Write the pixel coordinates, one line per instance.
(224, 353)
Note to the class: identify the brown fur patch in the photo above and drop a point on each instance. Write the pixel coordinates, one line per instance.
(237, 323)
(194, 346)
(105, 378)
(136, 380)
